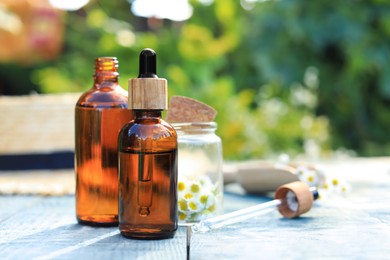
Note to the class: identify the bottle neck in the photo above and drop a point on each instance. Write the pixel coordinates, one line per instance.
(106, 72)
(195, 128)
(143, 114)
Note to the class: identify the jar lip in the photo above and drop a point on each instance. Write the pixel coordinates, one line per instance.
(195, 125)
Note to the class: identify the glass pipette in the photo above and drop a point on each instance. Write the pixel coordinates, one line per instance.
(248, 213)
(291, 199)
(235, 216)
(230, 218)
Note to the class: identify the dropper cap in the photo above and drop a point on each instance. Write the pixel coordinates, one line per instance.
(148, 91)
(297, 199)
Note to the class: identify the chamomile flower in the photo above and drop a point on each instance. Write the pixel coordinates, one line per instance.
(198, 199)
(308, 176)
(181, 186)
(336, 185)
(327, 185)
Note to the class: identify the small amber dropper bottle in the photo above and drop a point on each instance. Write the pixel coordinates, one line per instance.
(148, 160)
(100, 114)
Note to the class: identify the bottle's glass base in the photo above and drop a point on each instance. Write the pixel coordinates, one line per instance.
(98, 222)
(146, 234)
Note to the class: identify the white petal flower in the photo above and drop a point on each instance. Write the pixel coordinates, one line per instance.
(198, 199)
(308, 176)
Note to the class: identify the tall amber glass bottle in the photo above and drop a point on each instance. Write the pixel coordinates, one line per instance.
(148, 160)
(100, 114)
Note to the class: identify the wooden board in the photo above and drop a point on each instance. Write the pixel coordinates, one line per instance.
(353, 227)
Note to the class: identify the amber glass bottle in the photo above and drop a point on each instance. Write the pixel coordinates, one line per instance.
(100, 114)
(148, 160)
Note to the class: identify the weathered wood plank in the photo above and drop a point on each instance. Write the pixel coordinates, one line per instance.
(357, 226)
(10, 205)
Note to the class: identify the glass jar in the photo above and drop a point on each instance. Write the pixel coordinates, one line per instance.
(200, 179)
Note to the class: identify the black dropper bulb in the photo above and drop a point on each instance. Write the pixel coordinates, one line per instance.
(147, 64)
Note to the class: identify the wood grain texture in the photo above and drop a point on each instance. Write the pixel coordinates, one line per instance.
(352, 227)
(303, 198)
(148, 93)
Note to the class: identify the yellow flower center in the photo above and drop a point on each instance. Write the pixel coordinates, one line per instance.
(212, 208)
(195, 188)
(188, 196)
(181, 186)
(203, 199)
(193, 206)
(182, 216)
(183, 205)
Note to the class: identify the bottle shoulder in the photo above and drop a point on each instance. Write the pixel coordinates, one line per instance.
(149, 128)
(147, 136)
(104, 97)
(167, 125)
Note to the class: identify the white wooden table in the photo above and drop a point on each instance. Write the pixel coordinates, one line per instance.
(353, 227)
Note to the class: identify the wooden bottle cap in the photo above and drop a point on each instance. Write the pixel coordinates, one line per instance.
(296, 199)
(148, 93)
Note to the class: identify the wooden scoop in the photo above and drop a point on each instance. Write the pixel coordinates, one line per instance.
(263, 178)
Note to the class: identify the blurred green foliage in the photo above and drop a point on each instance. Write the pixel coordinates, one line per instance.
(290, 76)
